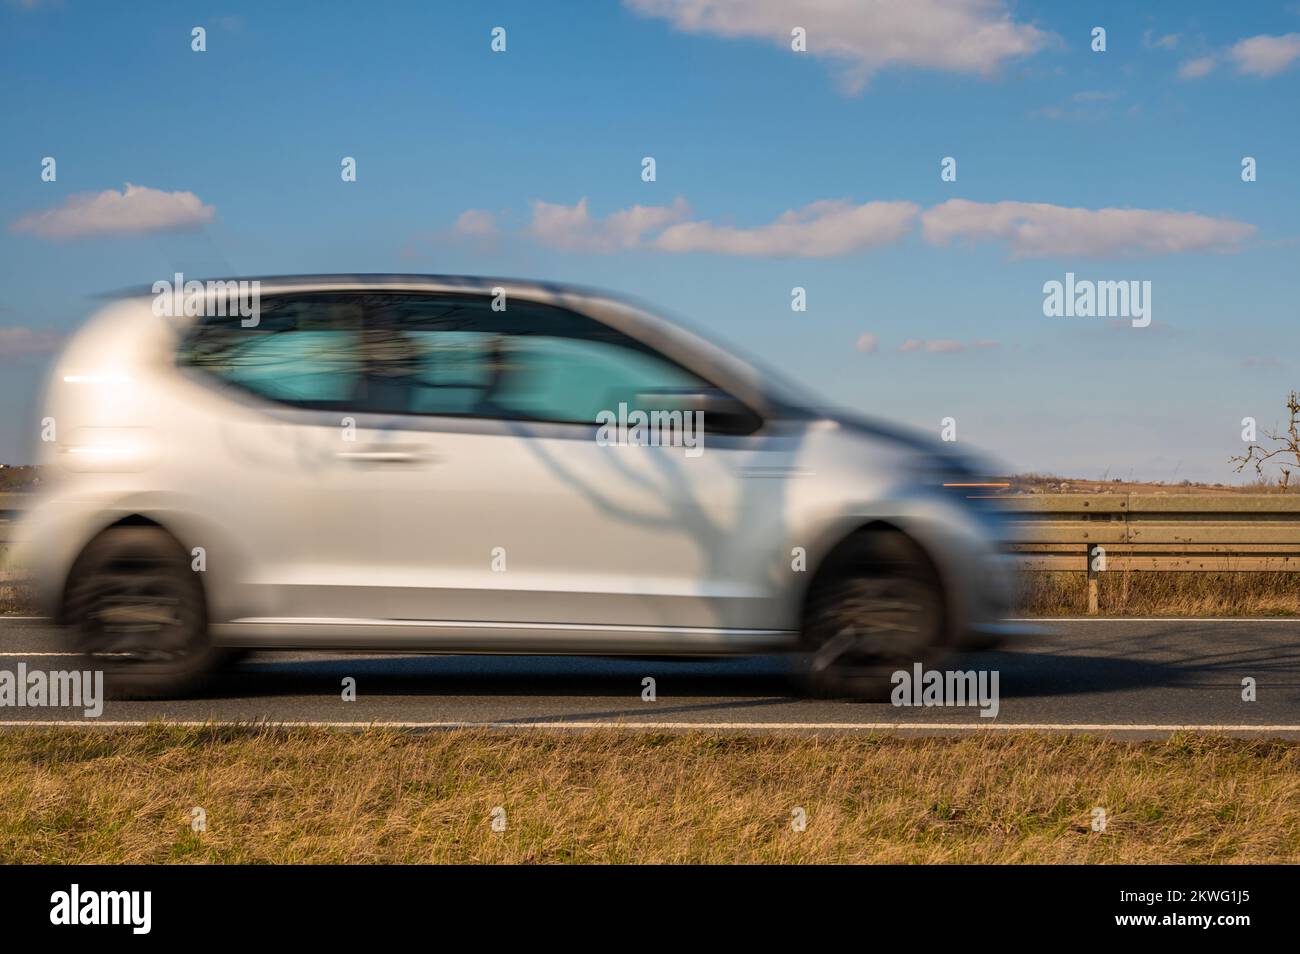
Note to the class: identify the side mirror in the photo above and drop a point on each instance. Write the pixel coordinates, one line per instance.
(720, 413)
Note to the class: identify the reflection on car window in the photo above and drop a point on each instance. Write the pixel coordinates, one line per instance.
(303, 351)
(448, 355)
(569, 379)
(433, 356)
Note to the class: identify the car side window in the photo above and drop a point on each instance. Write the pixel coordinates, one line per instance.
(443, 355)
(455, 356)
(574, 379)
(304, 351)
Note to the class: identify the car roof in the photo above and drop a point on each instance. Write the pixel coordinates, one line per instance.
(462, 283)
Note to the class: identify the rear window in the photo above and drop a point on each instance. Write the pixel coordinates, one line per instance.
(303, 351)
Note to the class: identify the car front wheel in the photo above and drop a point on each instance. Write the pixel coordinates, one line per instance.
(876, 609)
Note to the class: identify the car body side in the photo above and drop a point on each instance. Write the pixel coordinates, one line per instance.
(794, 490)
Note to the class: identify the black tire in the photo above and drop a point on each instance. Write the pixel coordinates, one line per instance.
(876, 608)
(136, 610)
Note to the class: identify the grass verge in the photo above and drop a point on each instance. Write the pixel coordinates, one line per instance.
(1161, 594)
(290, 796)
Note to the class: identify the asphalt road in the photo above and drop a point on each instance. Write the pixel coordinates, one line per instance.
(1133, 678)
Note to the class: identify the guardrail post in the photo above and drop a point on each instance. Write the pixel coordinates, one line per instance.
(1092, 581)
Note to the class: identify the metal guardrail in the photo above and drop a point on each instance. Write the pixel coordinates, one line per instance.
(1157, 532)
(1102, 533)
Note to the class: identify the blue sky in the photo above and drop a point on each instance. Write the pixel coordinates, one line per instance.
(915, 311)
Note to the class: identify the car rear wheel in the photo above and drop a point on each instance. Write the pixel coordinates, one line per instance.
(136, 611)
(877, 608)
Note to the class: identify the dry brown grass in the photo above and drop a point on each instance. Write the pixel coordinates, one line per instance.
(1161, 594)
(16, 594)
(326, 796)
(1051, 484)
(16, 598)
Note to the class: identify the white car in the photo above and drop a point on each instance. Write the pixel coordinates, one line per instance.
(453, 465)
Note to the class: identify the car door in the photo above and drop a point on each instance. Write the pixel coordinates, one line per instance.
(274, 409)
(477, 487)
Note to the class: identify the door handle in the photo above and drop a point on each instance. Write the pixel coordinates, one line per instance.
(392, 456)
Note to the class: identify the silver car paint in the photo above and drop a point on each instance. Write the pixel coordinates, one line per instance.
(387, 542)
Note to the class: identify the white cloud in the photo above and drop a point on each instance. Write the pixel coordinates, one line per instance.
(18, 341)
(1265, 55)
(866, 36)
(823, 229)
(1197, 68)
(944, 346)
(832, 228)
(1035, 229)
(136, 211)
(572, 227)
(476, 223)
(868, 343)
(1167, 42)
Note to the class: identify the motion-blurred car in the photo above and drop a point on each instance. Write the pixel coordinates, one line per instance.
(415, 463)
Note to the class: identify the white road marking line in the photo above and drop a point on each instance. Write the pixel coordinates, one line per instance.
(25, 655)
(639, 726)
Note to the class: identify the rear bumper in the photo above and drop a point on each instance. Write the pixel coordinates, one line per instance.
(47, 539)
